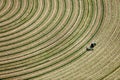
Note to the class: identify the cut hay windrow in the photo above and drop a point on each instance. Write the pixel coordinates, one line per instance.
(47, 39)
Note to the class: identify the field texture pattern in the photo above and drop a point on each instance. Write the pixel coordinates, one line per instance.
(47, 39)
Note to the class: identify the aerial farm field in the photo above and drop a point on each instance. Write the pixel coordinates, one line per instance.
(47, 39)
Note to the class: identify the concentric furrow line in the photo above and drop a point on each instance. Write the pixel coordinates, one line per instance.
(6, 8)
(47, 39)
(2, 4)
(27, 9)
(19, 8)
